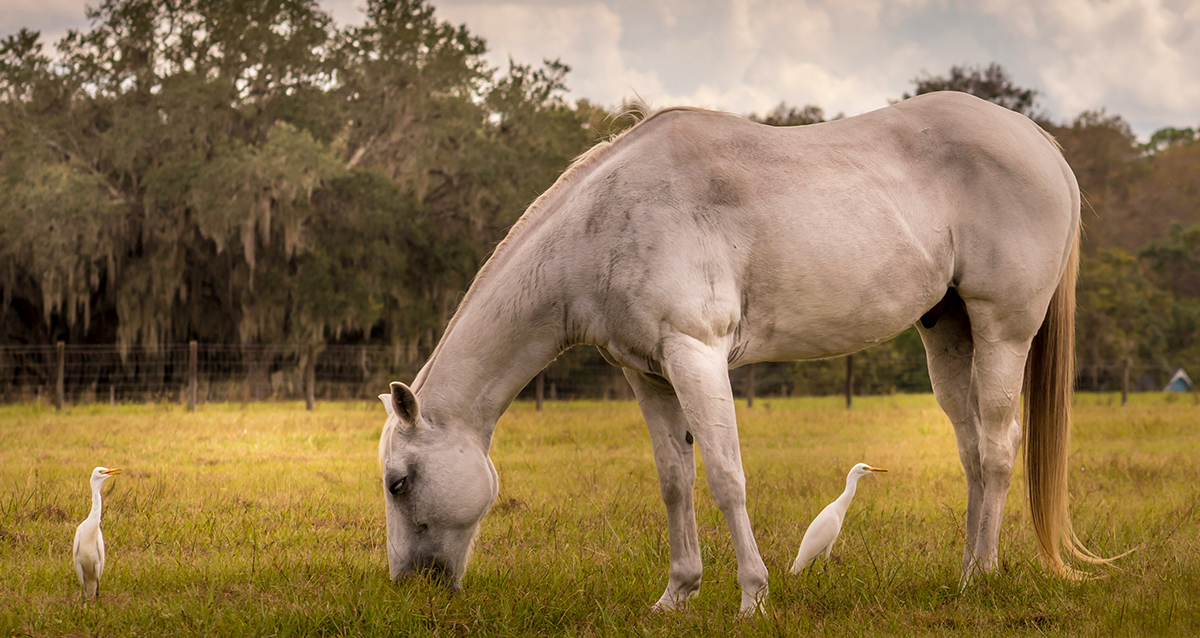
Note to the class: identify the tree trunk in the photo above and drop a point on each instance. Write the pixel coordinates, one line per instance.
(750, 387)
(192, 369)
(59, 389)
(1125, 384)
(849, 380)
(310, 378)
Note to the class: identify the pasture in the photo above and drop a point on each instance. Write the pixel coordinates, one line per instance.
(267, 520)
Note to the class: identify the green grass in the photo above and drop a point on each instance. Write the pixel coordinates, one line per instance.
(268, 520)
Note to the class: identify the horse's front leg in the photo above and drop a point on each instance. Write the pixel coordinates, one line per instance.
(677, 478)
(700, 377)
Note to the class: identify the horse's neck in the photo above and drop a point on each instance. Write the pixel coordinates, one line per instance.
(505, 334)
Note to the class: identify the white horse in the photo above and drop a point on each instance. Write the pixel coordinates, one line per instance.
(699, 241)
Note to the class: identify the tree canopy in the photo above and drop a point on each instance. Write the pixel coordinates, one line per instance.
(250, 172)
(992, 83)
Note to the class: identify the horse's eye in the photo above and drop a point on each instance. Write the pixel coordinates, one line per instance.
(398, 486)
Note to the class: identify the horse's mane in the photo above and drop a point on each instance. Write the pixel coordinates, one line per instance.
(636, 110)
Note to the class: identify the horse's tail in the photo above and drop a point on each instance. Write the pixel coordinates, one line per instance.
(1049, 381)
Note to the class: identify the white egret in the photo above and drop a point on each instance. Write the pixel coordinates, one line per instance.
(823, 532)
(88, 549)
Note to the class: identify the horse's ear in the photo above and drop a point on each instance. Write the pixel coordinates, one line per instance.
(386, 397)
(403, 403)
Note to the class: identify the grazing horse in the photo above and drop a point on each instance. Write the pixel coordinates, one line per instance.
(698, 241)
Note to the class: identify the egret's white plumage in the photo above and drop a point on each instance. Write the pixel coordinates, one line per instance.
(823, 532)
(88, 549)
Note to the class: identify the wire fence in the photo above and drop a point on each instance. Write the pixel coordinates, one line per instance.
(204, 373)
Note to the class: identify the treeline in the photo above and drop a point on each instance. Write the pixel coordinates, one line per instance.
(251, 172)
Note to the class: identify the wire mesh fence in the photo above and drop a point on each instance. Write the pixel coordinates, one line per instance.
(245, 373)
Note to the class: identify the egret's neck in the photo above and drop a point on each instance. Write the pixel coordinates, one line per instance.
(95, 513)
(505, 334)
(851, 488)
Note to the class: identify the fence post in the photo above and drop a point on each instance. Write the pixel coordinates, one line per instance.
(750, 387)
(539, 389)
(849, 380)
(1125, 384)
(192, 351)
(59, 390)
(310, 379)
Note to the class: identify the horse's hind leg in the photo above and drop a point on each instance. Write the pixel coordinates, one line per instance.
(949, 350)
(677, 478)
(998, 369)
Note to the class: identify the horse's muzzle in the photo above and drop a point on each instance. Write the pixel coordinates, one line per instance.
(432, 568)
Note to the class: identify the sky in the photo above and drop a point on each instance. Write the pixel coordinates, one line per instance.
(1136, 58)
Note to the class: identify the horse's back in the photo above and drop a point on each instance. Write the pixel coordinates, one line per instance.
(817, 240)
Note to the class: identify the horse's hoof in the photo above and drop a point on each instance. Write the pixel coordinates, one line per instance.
(750, 612)
(755, 606)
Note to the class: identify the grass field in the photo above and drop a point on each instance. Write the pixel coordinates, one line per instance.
(268, 520)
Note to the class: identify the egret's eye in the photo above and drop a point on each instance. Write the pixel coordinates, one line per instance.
(398, 486)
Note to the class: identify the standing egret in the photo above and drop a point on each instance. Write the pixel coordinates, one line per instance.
(88, 549)
(823, 532)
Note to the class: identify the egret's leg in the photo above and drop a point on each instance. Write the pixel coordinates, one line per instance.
(949, 350)
(677, 478)
(700, 376)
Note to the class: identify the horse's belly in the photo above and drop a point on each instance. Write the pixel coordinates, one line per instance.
(798, 338)
(839, 315)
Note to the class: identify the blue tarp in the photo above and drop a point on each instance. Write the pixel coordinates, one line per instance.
(1181, 382)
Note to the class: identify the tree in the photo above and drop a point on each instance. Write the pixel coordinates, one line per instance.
(1121, 313)
(1103, 152)
(784, 115)
(993, 84)
(1170, 137)
(247, 172)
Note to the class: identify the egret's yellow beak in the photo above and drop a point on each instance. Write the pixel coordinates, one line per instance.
(110, 472)
(876, 469)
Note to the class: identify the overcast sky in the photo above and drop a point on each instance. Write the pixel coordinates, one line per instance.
(1137, 58)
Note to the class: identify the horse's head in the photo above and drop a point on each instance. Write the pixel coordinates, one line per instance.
(438, 484)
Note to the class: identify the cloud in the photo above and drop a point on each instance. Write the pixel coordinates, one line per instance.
(737, 55)
(1135, 57)
(41, 15)
(587, 36)
(53, 18)
(722, 55)
(346, 11)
